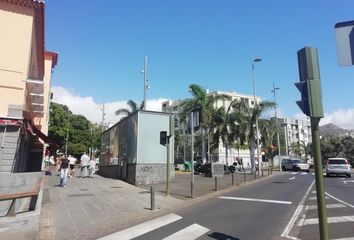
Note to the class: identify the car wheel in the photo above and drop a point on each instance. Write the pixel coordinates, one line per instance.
(283, 168)
(349, 176)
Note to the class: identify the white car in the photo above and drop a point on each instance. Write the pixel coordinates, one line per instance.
(294, 165)
(337, 166)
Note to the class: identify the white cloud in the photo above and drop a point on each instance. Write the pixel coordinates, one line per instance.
(343, 118)
(87, 107)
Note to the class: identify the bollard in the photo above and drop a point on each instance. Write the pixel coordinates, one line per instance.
(262, 173)
(192, 189)
(268, 171)
(244, 176)
(216, 183)
(232, 179)
(152, 197)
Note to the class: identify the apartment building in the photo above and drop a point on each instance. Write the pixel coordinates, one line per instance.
(295, 131)
(25, 79)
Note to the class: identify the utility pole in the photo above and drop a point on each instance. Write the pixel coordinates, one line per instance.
(276, 125)
(67, 135)
(311, 105)
(191, 120)
(103, 113)
(146, 86)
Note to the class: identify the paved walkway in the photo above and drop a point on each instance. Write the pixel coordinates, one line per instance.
(89, 208)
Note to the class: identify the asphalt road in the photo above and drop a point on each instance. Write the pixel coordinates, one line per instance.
(281, 207)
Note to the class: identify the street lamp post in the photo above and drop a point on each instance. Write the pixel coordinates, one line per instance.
(146, 86)
(276, 123)
(255, 108)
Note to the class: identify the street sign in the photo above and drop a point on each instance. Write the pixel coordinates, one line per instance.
(345, 43)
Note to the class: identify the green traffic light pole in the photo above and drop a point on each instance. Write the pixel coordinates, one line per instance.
(321, 203)
(311, 105)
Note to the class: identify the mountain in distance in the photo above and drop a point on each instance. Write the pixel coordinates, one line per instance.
(331, 130)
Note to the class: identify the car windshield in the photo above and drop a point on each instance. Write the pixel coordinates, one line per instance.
(337, 161)
(297, 161)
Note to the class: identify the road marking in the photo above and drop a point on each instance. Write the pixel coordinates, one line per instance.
(189, 233)
(336, 205)
(289, 227)
(341, 219)
(292, 178)
(345, 182)
(293, 173)
(349, 238)
(142, 228)
(255, 200)
(341, 201)
(315, 198)
(313, 191)
(304, 173)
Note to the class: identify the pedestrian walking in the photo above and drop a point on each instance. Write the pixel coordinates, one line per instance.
(84, 161)
(72, 161)
(64, 167)
(92, 167)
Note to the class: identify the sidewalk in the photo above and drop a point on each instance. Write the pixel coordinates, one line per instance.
(90, 208)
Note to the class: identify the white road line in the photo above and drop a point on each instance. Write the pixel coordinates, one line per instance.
(293, 173)
(142, 228)
(292, 178)
(254, 200)
(341, 201)
(304, 173)
(289, 227)
(336, 205)
(315, 198)
(313, 191)
(341, 219)
(349, 238)
(189, 233)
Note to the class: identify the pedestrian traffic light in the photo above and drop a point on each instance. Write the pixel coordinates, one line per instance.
(309, 85)
(163, 138)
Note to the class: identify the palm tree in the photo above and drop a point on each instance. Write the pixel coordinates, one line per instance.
(133, 107)
(203, 104)
(254, 114)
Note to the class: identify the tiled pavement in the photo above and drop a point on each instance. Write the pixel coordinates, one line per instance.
(89, 208)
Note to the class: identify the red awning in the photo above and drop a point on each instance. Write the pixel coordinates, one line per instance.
(45, 138)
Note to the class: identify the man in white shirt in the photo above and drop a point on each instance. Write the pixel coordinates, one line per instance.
(92, 167)
(72, 162)
(84, 161)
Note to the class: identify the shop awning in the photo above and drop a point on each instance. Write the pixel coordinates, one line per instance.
(44, 137)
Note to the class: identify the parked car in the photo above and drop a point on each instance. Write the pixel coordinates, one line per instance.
(337, 166)
(294, 165)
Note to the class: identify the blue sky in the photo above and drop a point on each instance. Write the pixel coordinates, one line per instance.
(102, 45)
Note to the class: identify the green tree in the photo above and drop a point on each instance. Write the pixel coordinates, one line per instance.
(256, 113)
(76, 130)
(203, 104)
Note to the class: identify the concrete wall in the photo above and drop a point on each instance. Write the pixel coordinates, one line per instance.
(141, 174)
(16, 182)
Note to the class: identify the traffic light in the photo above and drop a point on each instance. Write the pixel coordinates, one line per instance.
(309, 85)
(163, 138)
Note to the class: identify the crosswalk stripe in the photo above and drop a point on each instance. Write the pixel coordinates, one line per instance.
(142, 228)
(189, 233)
(312, 221)
(255, 200)
(335, 205)
(315, 198)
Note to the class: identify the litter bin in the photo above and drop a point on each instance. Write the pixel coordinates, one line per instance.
(187, 166)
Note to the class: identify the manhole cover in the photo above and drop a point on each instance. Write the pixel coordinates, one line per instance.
(81, 195)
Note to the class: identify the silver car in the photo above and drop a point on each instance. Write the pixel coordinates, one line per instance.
(337, 166)
(294, 165)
